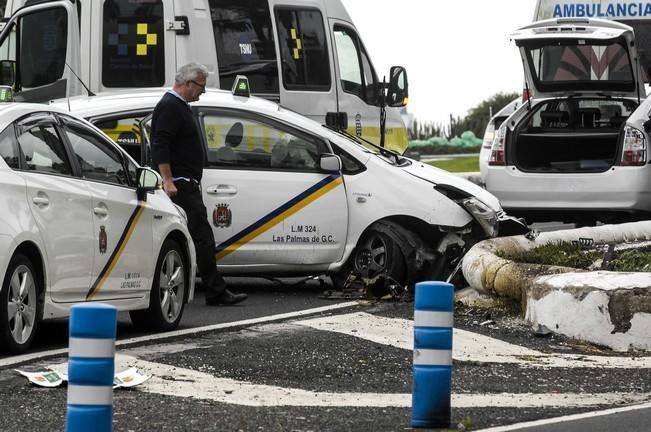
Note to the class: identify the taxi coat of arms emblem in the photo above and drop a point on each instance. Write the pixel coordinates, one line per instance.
(222, 216)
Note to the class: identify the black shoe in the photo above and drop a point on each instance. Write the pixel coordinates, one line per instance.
(226, 298)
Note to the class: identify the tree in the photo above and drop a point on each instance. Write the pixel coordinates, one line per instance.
(478, 116)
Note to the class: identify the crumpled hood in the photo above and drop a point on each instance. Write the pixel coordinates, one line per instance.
(439, 176)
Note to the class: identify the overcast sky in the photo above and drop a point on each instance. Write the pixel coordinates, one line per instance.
(457, 52)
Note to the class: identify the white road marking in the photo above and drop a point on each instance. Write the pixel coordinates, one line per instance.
(25, 358)
(181, 382)
(565, 419)
(467, 346)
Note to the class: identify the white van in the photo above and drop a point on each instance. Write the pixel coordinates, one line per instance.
(304, 54)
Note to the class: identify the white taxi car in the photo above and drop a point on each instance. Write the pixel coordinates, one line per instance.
(287, 196)
(82, 222)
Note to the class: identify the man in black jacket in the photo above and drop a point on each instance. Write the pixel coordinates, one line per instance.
(178, 153)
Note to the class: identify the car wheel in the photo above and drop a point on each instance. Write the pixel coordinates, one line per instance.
(167, 296)
(379, 260)
(18, 305)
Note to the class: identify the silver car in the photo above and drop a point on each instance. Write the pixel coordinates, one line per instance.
(570, 150)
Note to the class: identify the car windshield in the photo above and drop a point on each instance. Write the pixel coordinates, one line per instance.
(580, 64)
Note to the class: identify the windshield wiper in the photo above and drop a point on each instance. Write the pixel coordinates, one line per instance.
(382, 150)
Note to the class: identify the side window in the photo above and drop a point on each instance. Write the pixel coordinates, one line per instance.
(350, 165)
(43, 149)
(355, 69)
(235, 142)
(245, 44)
(97, 159)
(124, 130)
(303, 49)
(133, 49)
(9, 147)
(43, 40)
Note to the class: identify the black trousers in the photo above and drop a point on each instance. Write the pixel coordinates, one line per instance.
(188, 197)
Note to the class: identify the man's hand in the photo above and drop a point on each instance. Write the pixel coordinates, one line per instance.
(168, 184)
(169, 187)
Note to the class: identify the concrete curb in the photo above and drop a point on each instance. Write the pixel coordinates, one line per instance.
(607, 308)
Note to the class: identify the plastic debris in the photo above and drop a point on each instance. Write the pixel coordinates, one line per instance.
(53, 378)
(49, 378)
(129, 378)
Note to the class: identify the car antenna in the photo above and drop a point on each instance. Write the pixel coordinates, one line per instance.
(90, 93)
(383, 111)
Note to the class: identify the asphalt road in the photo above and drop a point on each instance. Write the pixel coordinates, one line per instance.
(339, 370)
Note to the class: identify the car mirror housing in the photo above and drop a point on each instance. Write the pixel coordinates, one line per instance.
(330, 163)
(148, 180)
(398, 91)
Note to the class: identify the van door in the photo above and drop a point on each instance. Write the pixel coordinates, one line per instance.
(359, 90)
(136, 51)
(39, 48)
(306, 68)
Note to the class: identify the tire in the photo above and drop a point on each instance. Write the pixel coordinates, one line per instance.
(378, 258)
(19, 305)
(167, 297)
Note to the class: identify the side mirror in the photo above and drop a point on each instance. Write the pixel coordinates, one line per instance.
(398, 91)
(148, 180)
(8, 73)
(330, 163)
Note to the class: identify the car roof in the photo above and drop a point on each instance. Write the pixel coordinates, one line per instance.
(122, 100)
(10, 112)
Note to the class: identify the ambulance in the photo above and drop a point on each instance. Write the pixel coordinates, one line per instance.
(304, 54)
(636, 14)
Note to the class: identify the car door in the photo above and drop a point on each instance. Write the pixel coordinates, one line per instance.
(123, 263)
(60, 205)
(270, 204)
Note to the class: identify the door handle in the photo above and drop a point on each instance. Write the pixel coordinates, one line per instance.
(100, 211)
(41, 201)
(221, 190)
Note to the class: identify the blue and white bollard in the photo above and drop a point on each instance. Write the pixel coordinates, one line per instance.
(432, 379)
(91, 367)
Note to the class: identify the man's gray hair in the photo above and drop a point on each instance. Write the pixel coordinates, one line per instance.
(189, 72)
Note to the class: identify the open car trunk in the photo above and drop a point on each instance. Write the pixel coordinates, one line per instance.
(570, 135)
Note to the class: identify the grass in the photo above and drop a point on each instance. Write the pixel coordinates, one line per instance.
(571, 255)
(460, 164)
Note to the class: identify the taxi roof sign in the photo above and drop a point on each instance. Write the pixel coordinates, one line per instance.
(6, 94)
(241, 86)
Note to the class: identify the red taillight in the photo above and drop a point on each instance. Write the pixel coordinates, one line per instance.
(527, 94)
(497, 150)
(634, 148)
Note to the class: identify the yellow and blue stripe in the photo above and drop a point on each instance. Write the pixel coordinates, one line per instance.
(117, 252)
(276, 216)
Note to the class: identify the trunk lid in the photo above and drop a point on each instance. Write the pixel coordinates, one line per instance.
(587, 57)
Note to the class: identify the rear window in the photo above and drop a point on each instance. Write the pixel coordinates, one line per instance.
(580, 64)
(245, 44)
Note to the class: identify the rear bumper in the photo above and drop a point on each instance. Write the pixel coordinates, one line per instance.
(620, 189)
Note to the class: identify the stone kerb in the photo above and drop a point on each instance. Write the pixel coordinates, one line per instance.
(608, 308)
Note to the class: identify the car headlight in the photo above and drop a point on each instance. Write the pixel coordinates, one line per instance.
(485, 216)
(182, 213)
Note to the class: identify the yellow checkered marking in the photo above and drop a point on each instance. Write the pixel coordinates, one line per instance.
(296, 51)
(151, 39)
